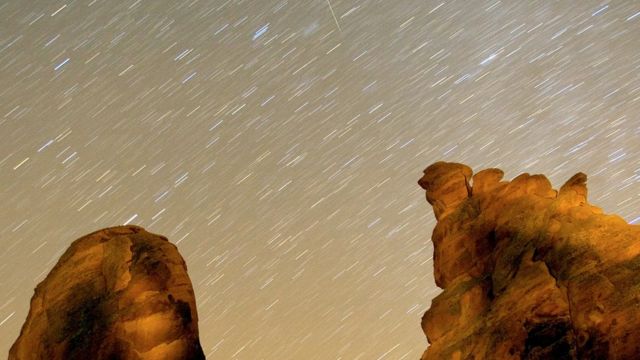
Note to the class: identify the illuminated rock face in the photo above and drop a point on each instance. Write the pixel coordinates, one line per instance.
(528, 272)
(118, 293)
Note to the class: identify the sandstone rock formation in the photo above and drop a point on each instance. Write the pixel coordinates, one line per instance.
(528, 272)
(118, 293)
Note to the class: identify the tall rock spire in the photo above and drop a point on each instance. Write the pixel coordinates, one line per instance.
(528, 272)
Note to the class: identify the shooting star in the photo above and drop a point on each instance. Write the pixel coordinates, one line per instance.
(334, 16)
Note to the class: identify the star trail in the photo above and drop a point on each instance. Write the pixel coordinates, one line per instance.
(278, 145)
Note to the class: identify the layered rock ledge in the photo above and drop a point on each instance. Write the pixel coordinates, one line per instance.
(528, 272)
(117, 293)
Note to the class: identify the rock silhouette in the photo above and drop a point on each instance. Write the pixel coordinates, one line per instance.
(117, 293)
(528, 272)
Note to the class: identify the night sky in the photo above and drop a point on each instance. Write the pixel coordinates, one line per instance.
(278, 144)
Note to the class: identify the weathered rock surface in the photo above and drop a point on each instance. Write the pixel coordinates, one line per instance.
(528, 272)
(118, 293)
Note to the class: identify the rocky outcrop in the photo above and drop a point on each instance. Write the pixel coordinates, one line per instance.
(528, 272)
(118, 293)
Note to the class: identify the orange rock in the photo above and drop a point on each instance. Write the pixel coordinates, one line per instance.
(117, 293)
(447, 185)
(528, 272)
